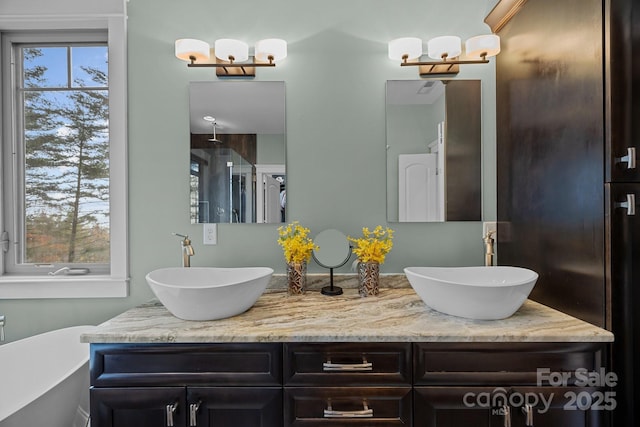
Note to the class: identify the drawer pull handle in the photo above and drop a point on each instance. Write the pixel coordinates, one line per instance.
(347, 367)
(364, 413)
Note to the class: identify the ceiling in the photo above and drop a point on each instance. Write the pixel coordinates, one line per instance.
(238, 107)
(414, 92)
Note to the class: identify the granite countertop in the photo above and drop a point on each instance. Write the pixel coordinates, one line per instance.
(395, 315)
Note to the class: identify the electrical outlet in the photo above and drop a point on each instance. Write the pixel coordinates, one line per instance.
(489, 226)
(210, 234)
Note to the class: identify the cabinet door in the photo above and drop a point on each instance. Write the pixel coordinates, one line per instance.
(455, 407)
(138, 407)
(561, 406)
(234, 406)
(622, 105)
(497, 406)
(623, 280)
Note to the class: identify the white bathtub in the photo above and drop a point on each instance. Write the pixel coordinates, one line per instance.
(44, 380)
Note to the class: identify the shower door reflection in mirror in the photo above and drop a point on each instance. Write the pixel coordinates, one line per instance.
(237, 167)
(433, 149)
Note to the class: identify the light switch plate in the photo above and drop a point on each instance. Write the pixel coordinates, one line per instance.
(210, 234)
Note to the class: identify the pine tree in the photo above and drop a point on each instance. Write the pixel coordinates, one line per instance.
(66, 163)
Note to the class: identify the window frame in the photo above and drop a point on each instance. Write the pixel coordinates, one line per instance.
(116, 282)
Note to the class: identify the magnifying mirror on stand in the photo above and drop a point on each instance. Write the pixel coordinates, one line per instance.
(334, 250)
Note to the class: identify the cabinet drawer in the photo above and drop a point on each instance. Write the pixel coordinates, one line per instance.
(349, 364)
(337, 406)
(182, 364)
(501, 363)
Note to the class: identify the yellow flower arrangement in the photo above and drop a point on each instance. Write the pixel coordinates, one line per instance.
(296, 243)
(374, 245)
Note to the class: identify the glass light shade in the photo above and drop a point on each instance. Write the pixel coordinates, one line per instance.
(488, 43)
(274, 47)
(188, 48)
(410, 46)
(224, 48)
(451, 46)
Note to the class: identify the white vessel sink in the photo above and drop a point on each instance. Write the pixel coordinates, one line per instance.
(208, 293)
(483, 293)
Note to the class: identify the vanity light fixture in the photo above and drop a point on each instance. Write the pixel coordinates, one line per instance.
(444, 52)
(230, 55)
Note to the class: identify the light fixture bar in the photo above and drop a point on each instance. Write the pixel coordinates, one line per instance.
(229, 68)
(442, 67)
(452, 62)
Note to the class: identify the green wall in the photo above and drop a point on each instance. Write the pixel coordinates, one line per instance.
(335, 78)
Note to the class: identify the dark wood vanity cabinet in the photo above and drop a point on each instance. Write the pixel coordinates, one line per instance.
(186, 385)
(343, 384)
(568, 171)
(489, 384)
(330, 384)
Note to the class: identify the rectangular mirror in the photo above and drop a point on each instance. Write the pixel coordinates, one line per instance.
(434, 158)
(237, 168)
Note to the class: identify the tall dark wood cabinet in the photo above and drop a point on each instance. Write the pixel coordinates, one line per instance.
(568, 119)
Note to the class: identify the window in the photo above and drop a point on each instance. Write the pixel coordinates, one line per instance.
(59, 167)
(63, 164)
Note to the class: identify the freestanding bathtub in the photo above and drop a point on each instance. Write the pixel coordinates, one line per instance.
(44, 380)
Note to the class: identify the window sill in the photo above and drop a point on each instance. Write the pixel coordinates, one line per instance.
(36, 287)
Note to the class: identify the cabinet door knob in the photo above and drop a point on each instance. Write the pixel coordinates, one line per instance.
(629, 159)
(528, 413)
(506, 411)
(364, 413)
(629, 205)
(171, 409)
(193, 411)
(347, 367)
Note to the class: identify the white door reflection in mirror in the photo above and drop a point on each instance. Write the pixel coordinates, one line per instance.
(272, 211)
(271, 193)
(418, 188)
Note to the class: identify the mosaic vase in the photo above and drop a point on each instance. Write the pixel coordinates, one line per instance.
(368, 278)
(296, 277)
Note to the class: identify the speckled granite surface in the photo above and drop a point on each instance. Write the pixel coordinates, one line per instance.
(397, 314)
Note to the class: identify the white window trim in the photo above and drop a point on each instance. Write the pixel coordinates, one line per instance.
(116, 284)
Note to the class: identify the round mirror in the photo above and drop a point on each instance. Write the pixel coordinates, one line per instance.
(333, 251)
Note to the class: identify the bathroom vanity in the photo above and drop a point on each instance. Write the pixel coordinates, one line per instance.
(314, 360)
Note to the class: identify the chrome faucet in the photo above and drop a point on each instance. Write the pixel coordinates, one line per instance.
(187, 250)
(1, 328)
(488, 244)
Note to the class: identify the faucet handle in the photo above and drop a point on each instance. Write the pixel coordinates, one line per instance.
(185, 239)
(1, 328)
